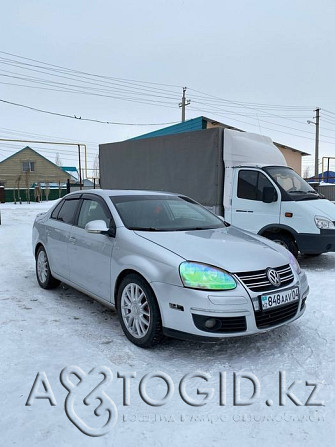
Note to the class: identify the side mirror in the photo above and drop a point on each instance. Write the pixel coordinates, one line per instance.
(269, 194)
(99, 227)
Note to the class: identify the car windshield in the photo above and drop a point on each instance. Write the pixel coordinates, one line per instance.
(164, 213)
(292, 183)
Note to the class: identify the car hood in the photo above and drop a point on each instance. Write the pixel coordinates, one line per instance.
(228, 248)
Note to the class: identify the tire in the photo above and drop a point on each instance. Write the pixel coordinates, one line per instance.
(43, 273)
(138, 312)
(284, 240)
(312, 255)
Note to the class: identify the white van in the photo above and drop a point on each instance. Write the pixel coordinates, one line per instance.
(238, 175)
(263, 195)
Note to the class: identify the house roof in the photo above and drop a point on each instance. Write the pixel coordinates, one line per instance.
(36, 153)
(69, 168)
(200, 123)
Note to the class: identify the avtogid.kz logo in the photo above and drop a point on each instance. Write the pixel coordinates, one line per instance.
(90, 408)
(106, 404)
(73, 380)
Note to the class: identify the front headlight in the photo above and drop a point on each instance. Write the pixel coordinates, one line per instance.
(205, 277)
(295, 264)
(323, 223)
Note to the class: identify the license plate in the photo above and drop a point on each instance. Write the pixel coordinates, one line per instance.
(279, 298)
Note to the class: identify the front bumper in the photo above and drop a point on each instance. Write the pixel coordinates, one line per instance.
(183, 310)
(310, 243)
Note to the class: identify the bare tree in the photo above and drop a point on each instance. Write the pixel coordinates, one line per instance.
(18, 181)
(58, 160)
(47, 190)
(96, 167)
(27, 182)
(306, 173)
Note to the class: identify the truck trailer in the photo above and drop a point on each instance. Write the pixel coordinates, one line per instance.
(240, 176)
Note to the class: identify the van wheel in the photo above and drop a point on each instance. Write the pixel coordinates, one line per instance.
(284, 240)
(311, 255)
(138, 312)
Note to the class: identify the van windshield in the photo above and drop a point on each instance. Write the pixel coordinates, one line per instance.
(292, 183)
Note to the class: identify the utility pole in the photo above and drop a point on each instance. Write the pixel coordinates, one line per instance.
(317, 125)
(80, 178)
(184, 102)
(316, 154)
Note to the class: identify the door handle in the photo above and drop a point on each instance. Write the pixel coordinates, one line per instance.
(73, 240)
(244, 211)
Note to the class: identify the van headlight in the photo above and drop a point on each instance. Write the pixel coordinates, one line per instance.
(205, 277)
(323, 223)
(294, 264)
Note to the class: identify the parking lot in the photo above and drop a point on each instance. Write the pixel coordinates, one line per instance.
(46, 331)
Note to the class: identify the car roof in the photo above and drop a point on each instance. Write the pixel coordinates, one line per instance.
(120, 192)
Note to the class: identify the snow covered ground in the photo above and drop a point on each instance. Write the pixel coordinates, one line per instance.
(46, 331)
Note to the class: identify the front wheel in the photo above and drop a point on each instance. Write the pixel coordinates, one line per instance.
(43, 273)
(138, 312)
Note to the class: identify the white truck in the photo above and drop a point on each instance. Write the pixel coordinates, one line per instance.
(238, 175)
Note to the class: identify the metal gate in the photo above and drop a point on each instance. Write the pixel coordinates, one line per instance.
(2, 194)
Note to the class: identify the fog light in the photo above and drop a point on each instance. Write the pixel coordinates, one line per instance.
(210, 323)
(255, 302)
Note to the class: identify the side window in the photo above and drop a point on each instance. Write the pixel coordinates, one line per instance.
(251, 185)
(247, 185)
(92, 210)
(263, 182)
(56, 210)
(68, 210)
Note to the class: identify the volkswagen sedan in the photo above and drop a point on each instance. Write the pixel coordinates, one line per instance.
(168, 265)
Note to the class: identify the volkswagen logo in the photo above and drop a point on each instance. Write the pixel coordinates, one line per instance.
(273, 277)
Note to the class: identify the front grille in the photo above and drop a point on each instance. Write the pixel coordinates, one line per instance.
(226, 325)
(276, 316)
(257, 281)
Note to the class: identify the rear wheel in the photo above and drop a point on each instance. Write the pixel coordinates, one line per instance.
(138, 312)
(43, 273)
(285, 240)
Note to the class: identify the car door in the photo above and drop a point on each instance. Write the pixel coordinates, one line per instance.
(248, 209)
(90, 254)
(58, 235)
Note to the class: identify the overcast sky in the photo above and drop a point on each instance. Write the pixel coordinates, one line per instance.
(262, 66)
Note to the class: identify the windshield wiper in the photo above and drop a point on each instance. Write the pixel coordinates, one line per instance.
(302, 192)
(198, 228)
(144, 229)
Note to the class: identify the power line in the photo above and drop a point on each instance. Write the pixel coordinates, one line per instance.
(80, 75)
(276, 130)
(83, 119)
(252, 104)
(34, 134)
(144, 92)
(90, 74)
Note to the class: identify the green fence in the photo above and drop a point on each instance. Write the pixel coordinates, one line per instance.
(53, 194)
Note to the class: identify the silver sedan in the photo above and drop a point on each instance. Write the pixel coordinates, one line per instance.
(168, 265)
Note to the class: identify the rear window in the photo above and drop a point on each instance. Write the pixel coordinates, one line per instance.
(68, 211)
(55, 212)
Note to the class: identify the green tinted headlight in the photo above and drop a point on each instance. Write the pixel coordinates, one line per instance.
(205, 277)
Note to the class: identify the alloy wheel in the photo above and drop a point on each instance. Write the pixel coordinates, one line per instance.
(135, 310)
